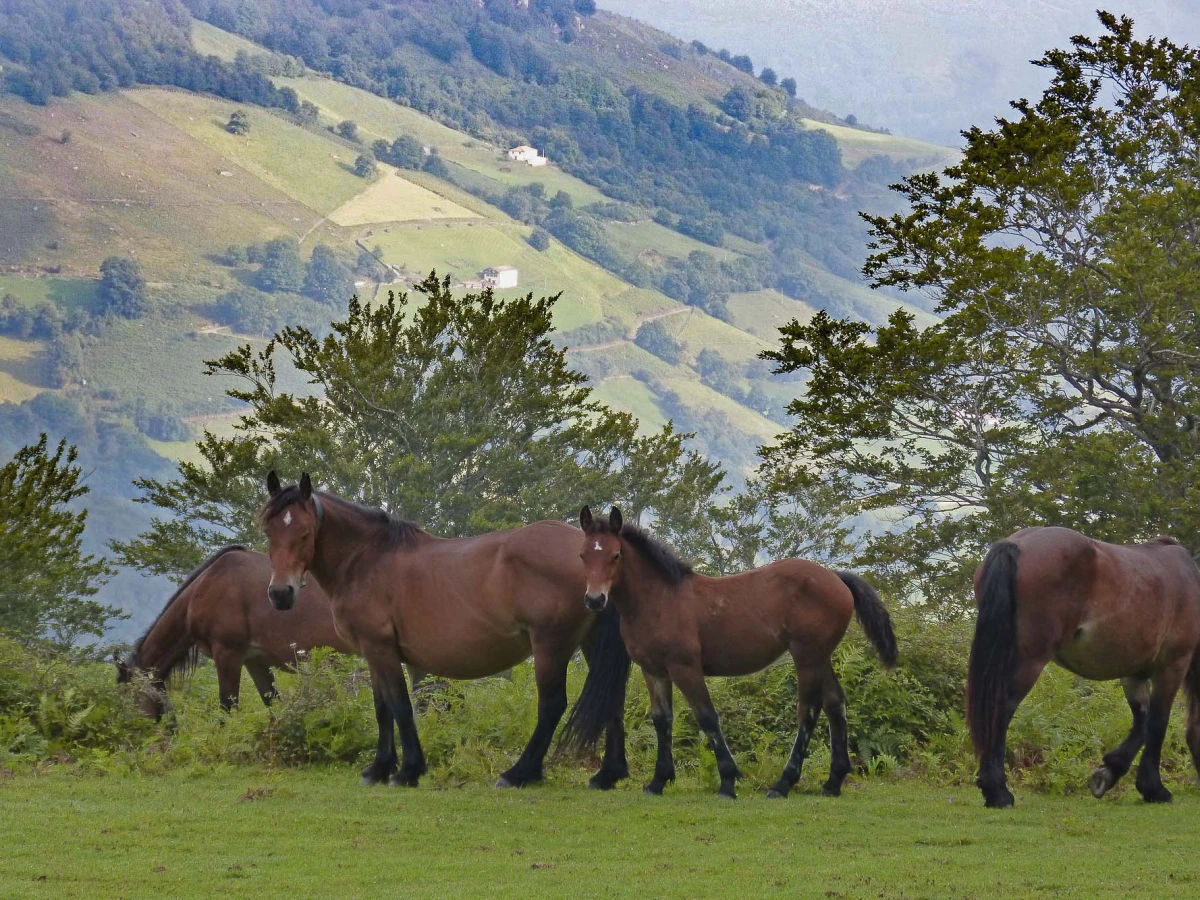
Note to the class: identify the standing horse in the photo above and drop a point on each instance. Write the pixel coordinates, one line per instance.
(457, 608)
(219, 611)
(1100, 610)
(680, 626)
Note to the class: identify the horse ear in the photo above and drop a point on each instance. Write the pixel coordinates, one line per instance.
(585, 518)
(614, 519)
(305, 486)
(273, 485)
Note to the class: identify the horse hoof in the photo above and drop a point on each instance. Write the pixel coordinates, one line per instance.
(1158, 794)
(400, 779)
(1002, 800)
(503, 782)
(773, 794)
(652, 790)
(831, 790)
(727, 795)
(1102, 781)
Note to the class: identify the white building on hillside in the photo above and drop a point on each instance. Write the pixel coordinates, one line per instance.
(527, 154)
(499, 277)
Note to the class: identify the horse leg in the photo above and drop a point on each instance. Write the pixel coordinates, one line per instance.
(229, 675)
(1117, 763)
(1166, 685)
(808, 709)
(387, 674)
(833, 700)
(264, 679)
(663, 714)
(1193, 725)
(991, 779)
(691, 682)
(550, 658)
(385, 763)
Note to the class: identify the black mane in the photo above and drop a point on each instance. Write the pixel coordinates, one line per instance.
(668, 563)
(397, 532)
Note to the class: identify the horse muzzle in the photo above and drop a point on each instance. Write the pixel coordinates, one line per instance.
(283, 597)
(595, 602)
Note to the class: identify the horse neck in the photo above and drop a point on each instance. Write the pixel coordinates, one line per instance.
(345, 541)
(168, 641)
(641, 586)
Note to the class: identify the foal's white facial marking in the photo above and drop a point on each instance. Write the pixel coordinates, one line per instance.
(598, 547)
(287, 517)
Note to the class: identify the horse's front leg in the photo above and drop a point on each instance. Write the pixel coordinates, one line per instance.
(387, 679)
(551, 655)
(229, 674)
(663, 714)
(690, 679)
(385, 762)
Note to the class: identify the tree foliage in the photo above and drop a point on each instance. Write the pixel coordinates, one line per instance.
(48, 580)
(1062, 385)
(122, 288)
(460, 415)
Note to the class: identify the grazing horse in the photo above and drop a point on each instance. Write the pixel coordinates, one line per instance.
(680, 626)
(219, 611)
(457, 608)
(1102, 611)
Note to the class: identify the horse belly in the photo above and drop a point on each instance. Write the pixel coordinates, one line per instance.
(1103, 651)
(461, 657)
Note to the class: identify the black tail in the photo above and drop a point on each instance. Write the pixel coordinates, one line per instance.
(994, 650)
(603, 696)
(872, 616)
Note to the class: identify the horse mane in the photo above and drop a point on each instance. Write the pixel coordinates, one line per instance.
(190, 658)
(394, 531)
(666, 561)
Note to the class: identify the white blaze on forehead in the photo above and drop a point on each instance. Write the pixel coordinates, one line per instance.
(598, 547)
(287, 517)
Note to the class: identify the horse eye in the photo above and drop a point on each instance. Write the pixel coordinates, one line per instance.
(616, 556)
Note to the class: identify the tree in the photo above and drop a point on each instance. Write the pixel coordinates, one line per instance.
(239, 123)
(348, 130)
(656, 337)
(308, 113)
(768, 77)
(539, 240)
(460, 415)
(328, 279)
(407, 152)
(1062, 385)
(282, 269)
(789, 86)
(122, 288)
(48, 579)
(364, 166)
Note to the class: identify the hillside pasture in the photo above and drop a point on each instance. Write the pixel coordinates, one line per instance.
(21, 370)
(65, 293)
(763, 313)
(393, 198)
(128, 183)
(858, 144)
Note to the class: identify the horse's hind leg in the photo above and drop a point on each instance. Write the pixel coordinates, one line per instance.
(1166, 686)
(264, 679)
(833, 699)
(690, 679)
(809, 685)
(1117, 763)
(550, 658)
(1193, 724)
(991, 764)
(615, 766)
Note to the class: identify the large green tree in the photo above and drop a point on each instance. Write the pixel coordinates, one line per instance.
(1062, 382)
(48, 580)
(455, 412)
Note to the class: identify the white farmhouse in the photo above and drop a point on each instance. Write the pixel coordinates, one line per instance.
(499, 277)
(527, 154)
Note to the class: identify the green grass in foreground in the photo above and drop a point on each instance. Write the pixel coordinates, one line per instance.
(303, 833)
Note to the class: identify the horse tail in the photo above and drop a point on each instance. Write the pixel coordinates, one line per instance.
(602, 699)
(873, 616)
(993, 661)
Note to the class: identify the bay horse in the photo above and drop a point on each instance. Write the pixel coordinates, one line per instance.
(461, 608)
(219, 612)
(681, 626)
(1102, 611)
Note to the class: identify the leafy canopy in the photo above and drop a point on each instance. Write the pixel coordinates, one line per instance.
(48, 580)
(1062, 385)
(456, 412)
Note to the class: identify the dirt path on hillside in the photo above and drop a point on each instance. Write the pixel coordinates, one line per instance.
(628, 339)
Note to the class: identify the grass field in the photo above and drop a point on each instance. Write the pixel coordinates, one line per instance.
(254, 833)
(20, 370)
(857, 145)
(65, 293)
(393, 198)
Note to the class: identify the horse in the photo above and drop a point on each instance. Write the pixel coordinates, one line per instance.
(1103, 611)
(681, 626)
(460, 608)
(219, 612)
